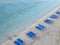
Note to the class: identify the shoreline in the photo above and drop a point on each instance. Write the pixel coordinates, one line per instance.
(37, 22)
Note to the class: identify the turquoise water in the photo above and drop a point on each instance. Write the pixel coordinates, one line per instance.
(16, 15)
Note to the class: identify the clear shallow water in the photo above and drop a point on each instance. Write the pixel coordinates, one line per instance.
(16, 15)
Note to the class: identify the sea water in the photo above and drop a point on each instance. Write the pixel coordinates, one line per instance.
(16, 15)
